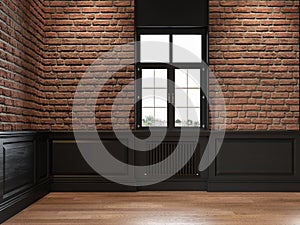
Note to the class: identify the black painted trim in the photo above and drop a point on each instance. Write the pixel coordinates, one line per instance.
(86, 183)
(176, 185)
(253, 186)
(21, 201)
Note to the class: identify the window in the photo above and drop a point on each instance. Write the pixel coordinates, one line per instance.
(171, 65)
(187, 48)
(187, 98)
(154, 97)
(149, 45)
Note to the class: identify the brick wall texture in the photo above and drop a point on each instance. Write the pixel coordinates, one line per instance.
(21, 64)
(47, 46)
(254, 52)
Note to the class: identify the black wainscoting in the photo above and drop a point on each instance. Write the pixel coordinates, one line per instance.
(34, 163)
(247, 161)
(24, 170)
(71, 172)
(257, 161)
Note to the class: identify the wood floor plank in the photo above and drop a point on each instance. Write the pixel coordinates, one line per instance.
(162, 208)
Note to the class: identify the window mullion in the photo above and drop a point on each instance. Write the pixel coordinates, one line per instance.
(171, 48)
(204, 97)
(171, 93)
(138, 89)
(171, 88)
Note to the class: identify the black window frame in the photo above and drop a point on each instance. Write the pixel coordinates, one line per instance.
(171, 66)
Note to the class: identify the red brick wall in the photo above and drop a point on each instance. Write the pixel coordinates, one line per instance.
(254, 52)
(76, 34)
(21, 69)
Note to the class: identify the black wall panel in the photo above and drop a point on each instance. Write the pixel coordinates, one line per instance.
(256, 157)
(67, 159)
(256, 161)
(171, 13)
(18, 166)
(24, 176)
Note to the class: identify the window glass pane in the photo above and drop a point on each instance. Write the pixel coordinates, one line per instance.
(154, 97)
(154, 78)
(147, 117)
(181, 78)
(193, 117)
(154, 48)
(187, 48)
(181, 98)
(161, 117)
(154, 117)
(194, 98)
(180, 117)
(148, 78)
(194, 78)
(148, 98)
(161, 98)
(187, 98)
(187, 117)
(161, 79)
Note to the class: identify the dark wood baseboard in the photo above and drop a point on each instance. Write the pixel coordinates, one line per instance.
(176, 185)
(22, 200)
(97, 183)
(231, 186)
(86, 183)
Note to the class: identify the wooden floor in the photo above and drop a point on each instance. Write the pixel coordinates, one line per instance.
(163, 208)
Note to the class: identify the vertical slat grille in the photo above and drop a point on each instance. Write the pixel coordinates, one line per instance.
(164, 150)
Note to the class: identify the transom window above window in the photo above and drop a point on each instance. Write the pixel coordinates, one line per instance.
(171, 67)
(185, 48)
(149, 46)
